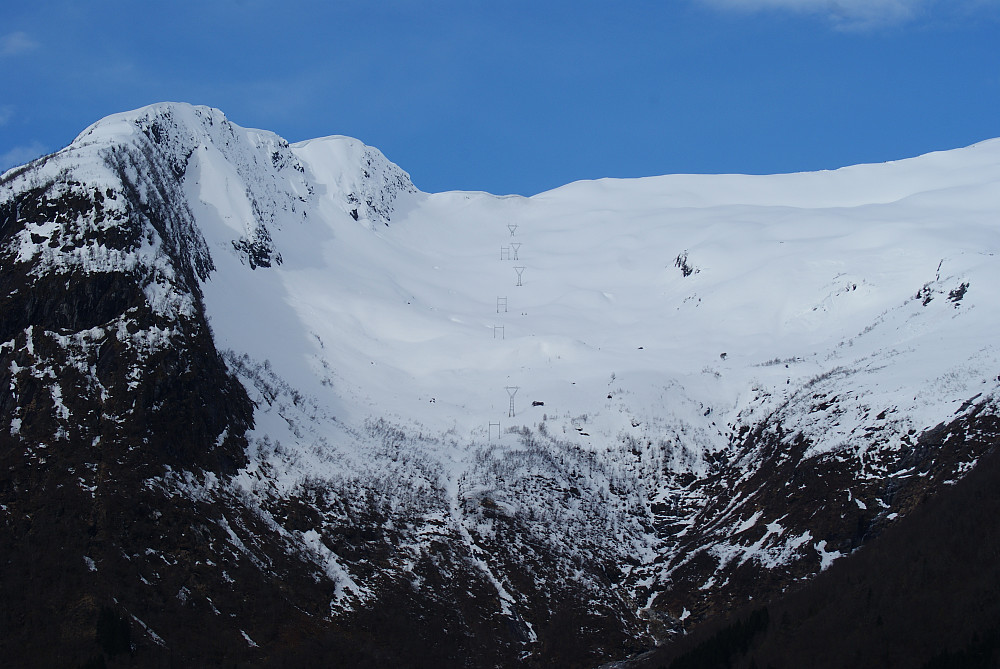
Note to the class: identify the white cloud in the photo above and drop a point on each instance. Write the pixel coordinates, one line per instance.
(844, 13)
(20, 155)
(16, 43)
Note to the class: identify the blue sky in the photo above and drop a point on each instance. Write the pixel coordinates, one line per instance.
(511, 96)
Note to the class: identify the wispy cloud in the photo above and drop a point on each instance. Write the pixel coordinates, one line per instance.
(20, 155)
(843, 13)
(16, 43)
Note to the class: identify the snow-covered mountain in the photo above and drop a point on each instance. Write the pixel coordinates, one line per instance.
(484, 429)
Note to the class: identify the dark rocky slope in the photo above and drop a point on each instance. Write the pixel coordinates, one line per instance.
(842, 509)
(924, 593)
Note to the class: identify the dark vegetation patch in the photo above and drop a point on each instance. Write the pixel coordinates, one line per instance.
(726, 645)
(681, 262)
(957, 294)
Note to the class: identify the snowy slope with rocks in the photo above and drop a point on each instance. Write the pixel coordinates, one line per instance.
(720, 384)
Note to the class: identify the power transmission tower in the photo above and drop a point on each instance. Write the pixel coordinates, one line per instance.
(511, 391)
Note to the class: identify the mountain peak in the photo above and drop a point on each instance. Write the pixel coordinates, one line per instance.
(180, 114)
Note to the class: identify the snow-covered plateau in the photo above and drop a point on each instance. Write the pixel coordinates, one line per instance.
(586, 419)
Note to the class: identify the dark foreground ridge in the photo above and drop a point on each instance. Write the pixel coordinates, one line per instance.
(923, 595)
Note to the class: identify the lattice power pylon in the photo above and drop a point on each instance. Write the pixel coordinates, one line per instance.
(519, 270)
(511, 391)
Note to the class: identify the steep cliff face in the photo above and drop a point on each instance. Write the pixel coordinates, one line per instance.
(268, 403)
(113, 387)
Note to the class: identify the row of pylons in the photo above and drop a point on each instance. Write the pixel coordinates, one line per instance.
(508, 252)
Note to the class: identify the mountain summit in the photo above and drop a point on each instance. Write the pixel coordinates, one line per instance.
(268, 403)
